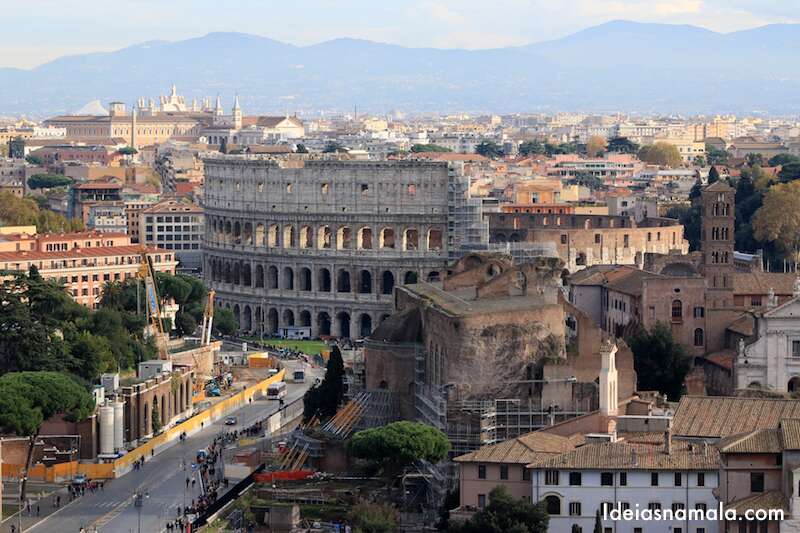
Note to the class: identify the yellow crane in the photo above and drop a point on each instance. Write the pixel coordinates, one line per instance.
(208, 319)
(147, 275)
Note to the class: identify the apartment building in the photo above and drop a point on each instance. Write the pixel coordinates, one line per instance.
(175, 225)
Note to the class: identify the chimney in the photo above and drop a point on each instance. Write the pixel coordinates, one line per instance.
(668, 440)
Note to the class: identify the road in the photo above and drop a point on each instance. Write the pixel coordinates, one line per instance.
(162, 479)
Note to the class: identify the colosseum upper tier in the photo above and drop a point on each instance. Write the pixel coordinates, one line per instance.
(320, 243)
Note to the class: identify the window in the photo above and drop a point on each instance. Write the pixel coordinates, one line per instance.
(503, 471)
(563, 239)
(698, 337)
(574, 508)
(481, 471)
(623, 479)
(701, 507)
(575, 479)
(678, 479)
(553, 505)
(757, 482)
(597, 238)
(795, 348)
(624, 506)
(677, 310)
(364, 188)
(481, 500)
(551, 477)
(606, 479)
(677, 506)
(526, 474)
(637, 530)
(625, 240)
(701, 479)
(576, 528)
(699, 312)
(702, 530)
(654, 506)
(654, 479)
(755, 301)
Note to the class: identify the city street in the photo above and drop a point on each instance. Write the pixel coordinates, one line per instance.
(162, 480)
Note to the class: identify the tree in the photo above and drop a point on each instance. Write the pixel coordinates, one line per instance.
(26, 212)
(699, 161)
(715, 156)
(323, 400)
(155, 417)
(689, 217)
(754, 159)
(662, 154)
(595, 146)
(48, 181)
(489, 149)
(587, 179)
(531, 147)
(782, 159)
(713, 175)
(34, 160)
(789, 172)
(748, 201)
(622, 145)
(778, 219)
(660, 362)
(225, 322)
(29, 398)
(185, 324)
(128, 150)
(374, 518)
(301, 149)
(416, 148)
(91, 355)
(598, 522)
(504, 514)
(331, 147)
(398, 445)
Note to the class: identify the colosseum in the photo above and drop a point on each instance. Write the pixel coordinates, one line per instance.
(320, 243)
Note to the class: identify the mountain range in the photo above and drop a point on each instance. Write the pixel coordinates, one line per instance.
(617, 66)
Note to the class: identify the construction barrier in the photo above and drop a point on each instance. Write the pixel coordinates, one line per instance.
(282, 475)
(195, 423)
(61, 471)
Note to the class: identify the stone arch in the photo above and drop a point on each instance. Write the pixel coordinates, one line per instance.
(237, 232)
(387, 282)
(343, 324)
(410, 239)
(387, 237)
(237, 274)
(248, 233)
(410, 277)
(324, 324)
(500, 237)
(288, 318)
(324, 237)
(365, 282)
(552, 504)
(288, 278)
(237, 314)
(247, 319)
(272, 321)
(259, 234)
(305, 318)
(305, 279)
(228, 231)
(228, 273)
(364, 325)
(343, 280)
(259, 277)
(273, 236)
(514, 237)
(364, 238)
(434, 239)
(306, 237)
(433, 275)
(324, 280)
(247, 279)
(343, 238)
(272, 277)
(289, 236)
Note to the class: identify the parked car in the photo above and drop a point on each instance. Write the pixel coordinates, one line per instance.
(231, 421)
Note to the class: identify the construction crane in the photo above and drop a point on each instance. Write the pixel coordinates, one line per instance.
(208, 319)
(147, 275)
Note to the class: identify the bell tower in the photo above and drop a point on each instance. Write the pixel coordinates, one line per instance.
(717, 243)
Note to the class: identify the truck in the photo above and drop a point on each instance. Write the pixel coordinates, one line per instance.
(276, 391)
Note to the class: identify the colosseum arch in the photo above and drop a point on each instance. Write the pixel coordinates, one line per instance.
(500, 237)
(237, 232)
(305, 318)
(324, 237)
(272, 277)
(289, 236)
(259, 277)
(324, 323)
(364, 238)
(237, 313)
(365, 282)
(364, 325)
(434, 239)
(387, 282)
(288, 278)
(410, 277)
(237, 273)
(247, 319)
(514, 237)
(272, 321)
(288, 318)
(343, 324)
(306, 237)
(410, 239)
(247, 279)
(259, 234)
(273, 236)
(343, 238)
(387, 237)
(343, 280)
(324, 280)
(248, 233)
(305, 279)
(228, 231)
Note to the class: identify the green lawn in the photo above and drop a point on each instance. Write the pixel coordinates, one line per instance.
(307, 347)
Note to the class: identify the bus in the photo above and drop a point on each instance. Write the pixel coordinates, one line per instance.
(276, 391)
(298, 375)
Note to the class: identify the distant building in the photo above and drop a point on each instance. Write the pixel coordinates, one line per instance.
(175, 225)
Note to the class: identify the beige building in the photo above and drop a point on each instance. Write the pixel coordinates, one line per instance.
(174, 225)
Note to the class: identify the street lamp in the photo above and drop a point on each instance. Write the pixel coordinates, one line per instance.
(22, 477)
(138, 502)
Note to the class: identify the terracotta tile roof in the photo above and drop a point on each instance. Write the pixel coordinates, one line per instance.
(723, 358)
(761, 282)
(721, 416)
(758, 441)
(773, 499)
(791, 433)
(76, 253)
(521, 450)
(78, 235)
(743, 325)
(634, 456)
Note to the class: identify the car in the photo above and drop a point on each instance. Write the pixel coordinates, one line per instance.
(231, 421)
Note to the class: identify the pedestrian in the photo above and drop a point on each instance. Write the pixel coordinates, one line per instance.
(58, 501)
(38, 511)
(13, 528)
(187, 482)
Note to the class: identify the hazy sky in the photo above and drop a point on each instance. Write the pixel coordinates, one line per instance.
(36, 31)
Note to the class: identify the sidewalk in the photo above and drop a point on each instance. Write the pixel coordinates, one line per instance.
(45, 509)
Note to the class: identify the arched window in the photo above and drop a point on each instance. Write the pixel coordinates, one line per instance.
(553, 505)
(699, 339)
(677, 310)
